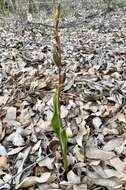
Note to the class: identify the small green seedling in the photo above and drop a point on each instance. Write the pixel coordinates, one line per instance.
(56, 121)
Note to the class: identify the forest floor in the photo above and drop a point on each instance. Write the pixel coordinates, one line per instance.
(93, 106)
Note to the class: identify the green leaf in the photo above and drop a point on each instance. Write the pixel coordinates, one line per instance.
(64, 141)
(56, 123)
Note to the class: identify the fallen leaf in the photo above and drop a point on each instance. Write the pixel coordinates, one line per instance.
(3, 162)
(83, 131)
(96, 122)
(20, 169)
(73, 178)
(80, 187)
(98, 154)
(36, 147)
(121, 117)
(11, 114)
(79, 153)
(112, 144)
(118, 164)
(3, 151)
(16, 137)
(47, 162)
(15, 151)
(32, 180)
(64, 112)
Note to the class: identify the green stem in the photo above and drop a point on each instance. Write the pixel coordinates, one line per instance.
(65, 162)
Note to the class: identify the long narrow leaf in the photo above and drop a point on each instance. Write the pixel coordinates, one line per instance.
(58, 129)
(64, 140)
(56, 121)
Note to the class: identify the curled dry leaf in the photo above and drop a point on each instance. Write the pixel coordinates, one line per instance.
(32, 180)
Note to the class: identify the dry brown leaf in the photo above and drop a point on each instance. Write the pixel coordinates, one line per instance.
(83, 131)
(110, 183)
(20, 169)
(79, 154)
(36, 147)
(98, 154)
(3, 151)
(33, 180)
(114, 183)
(16, 137)
(25, 117)
(44, 125)
(69, 132)
(64, 111)
(3, 162)
(3, 99)
(73, 178)
(15, 151)
(80, 187)
(11, 114)
(47, 162)
(118, 165)
(112, 144)
(121, 117)
(97, 122)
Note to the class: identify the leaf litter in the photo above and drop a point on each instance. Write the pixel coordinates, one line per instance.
(93, 107)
